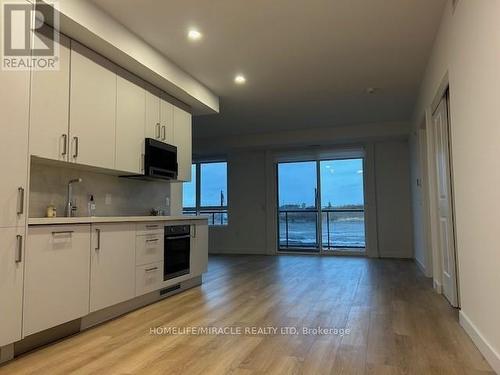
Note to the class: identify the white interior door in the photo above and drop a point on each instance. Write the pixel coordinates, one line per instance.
(446, 239)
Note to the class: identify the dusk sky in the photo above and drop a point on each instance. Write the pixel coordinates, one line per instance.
(342, 183)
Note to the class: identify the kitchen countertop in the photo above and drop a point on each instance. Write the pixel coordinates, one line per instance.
(110, 219)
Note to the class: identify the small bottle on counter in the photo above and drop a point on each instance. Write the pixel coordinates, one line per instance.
(51, 211)
(91, 206)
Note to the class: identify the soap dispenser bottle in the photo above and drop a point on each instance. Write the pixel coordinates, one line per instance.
(91, 205)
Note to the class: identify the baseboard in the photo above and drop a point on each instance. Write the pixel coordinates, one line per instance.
(482, 344)
(422, 267)
(437, 287)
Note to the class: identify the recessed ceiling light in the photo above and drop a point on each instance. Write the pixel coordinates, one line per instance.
(194, 34)
(372, 90)
(240, 79)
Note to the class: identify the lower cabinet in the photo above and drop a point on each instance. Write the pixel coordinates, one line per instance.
(11, 284)
(112, 265)
(148, 278)
(199, 249)
(56, 286)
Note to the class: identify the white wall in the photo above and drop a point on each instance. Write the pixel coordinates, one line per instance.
(467, 51)
(252, 190)
(392, 184)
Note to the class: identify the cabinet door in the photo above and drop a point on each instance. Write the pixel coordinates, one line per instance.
(50, 107)
(14, 99)
(199, 249)
(166, 121)
(152, 126)
(93, 108)
(182, 139)
(130, 116)
(112, 277)
(11, 284)
(56, 288)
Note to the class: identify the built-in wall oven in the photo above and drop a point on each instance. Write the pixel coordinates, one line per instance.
(177, 249)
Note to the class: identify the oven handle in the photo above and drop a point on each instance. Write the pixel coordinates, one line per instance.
(178, 237)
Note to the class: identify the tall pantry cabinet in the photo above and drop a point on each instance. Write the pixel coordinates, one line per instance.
(14, 99)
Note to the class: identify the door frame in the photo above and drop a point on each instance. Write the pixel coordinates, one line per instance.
(433, 209)
(320, 250)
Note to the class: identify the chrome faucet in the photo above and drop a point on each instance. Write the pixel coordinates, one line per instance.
(70, 206)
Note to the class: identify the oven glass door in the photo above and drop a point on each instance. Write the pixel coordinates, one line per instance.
(176, 256)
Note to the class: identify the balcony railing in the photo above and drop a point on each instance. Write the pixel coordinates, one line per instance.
(341, 229)
(216, 215)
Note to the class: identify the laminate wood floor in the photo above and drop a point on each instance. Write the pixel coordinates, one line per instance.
(397, 324)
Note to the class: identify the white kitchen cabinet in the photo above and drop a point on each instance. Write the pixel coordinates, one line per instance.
(182, 139)
(92, 108)
(149, 249)
(148, 278)
(11, 284)
(130, 122)
(49, 123)
(112, 277)
(152, 126)
(14, 98)
(166, 120)
(57, 270)
(199, 248)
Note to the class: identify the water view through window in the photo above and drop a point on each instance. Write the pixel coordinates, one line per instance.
(339, 202)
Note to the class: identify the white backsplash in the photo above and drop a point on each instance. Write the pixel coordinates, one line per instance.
(114, 196)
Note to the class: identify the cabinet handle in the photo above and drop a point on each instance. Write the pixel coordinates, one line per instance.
(151, 269)
(157, 133)
(20, 202)
(155, 240)
(194, 230)
(75, 155)
(164, 137)
(19, 249)
(63, 232)
(98, 247)
(65, 145)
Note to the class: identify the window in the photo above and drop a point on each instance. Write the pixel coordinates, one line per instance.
(206, 193)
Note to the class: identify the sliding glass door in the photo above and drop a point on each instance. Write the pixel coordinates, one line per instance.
(297, 206)
(321, 206)
(342, 205)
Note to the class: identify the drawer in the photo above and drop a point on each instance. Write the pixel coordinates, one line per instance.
(150, 228)
(148, 278)
(148, 249)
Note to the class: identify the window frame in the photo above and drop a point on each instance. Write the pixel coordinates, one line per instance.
(211, 211)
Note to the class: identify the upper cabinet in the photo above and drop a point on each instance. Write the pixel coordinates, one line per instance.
(183, 139)
(50, 107)
(152, 127)
(14, 98)
(166, 121)
(92, 108)
(95, 113)
(130, 118)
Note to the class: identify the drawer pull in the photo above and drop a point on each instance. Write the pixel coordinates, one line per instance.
(152, 226)
(63, 232)
(151, 269)
(155, 240)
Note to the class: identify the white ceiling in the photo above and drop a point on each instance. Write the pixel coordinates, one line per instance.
(307, 62)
